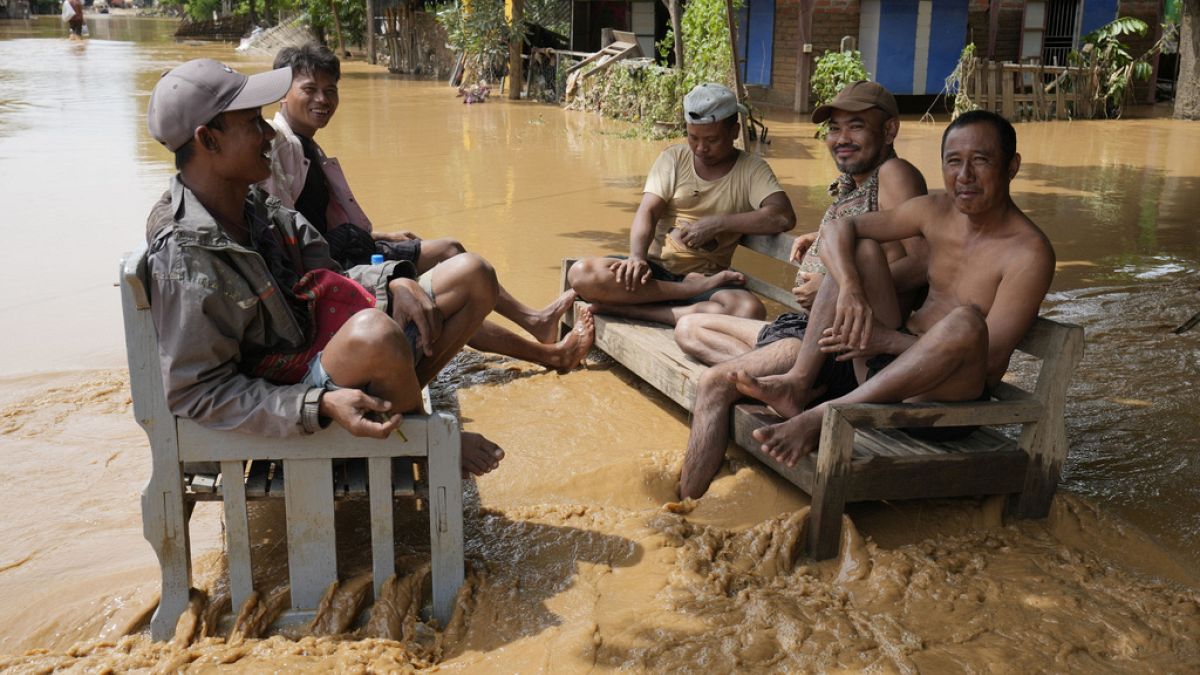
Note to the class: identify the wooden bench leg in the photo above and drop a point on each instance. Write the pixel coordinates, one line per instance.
(383, 553)
(829, 486)
(445, 514)
(237, 533)
(1046, 455)
(312, 547)
(164, 524)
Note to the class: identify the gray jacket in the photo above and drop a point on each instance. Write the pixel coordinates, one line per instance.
(213, 299)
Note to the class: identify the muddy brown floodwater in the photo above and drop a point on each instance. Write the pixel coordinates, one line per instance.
(575, 564)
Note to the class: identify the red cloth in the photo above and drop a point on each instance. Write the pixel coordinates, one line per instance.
(333, 299)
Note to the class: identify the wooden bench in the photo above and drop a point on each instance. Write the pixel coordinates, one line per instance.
(863, 455)
(307, 472)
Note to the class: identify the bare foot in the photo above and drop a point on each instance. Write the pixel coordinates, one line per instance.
(777, 391)
(544, 326)
(707, 282)
(574, 348)
(479, 455)
(789, 441)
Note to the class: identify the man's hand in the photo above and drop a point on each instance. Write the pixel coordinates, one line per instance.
(806, 293)
(403, 235)
(853, 321)
(410, 303)
(698, 234)
(878, 343)
(631, 273)
(800, 246)
(359, 413)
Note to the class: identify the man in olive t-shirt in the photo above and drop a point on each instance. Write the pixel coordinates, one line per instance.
(699, 200)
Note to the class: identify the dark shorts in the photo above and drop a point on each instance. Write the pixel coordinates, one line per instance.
(660, 273)
(786, 326)
(409, 250)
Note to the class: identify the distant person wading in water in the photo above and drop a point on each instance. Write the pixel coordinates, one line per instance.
(303, 177)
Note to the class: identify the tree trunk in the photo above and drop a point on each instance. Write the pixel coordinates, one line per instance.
(267, 12)
(337, 29)
(1187, 88)
(514, 52)
(370, 32)
(676, 12)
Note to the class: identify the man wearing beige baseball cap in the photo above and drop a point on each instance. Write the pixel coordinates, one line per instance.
(260, 331)
(699, 199)
(862, 125)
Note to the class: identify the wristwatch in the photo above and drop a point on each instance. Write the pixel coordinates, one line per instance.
(310, 410)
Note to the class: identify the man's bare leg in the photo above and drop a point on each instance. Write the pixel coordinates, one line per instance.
(733, 302)
(710, 415)
(716, 338)
(371, 353)
(464, 290)
(788, 393)
(562, 356)
(949, 363)
(542, 323)
(593, 280)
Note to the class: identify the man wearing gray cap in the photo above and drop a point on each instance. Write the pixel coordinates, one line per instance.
(259, 329)
(699, 199)
(863, 121)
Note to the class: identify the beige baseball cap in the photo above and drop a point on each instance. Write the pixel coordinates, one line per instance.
(857, 96)
(710, 102)
(190, 95)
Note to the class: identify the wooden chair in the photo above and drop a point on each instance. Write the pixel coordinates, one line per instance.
(863, 455)
(301, 470)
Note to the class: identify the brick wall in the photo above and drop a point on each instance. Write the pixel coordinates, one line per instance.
(832, 19)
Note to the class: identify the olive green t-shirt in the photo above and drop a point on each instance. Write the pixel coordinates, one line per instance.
(689, 198)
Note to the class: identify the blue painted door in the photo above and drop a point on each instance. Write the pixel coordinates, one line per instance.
(756, 41)
(910, 46)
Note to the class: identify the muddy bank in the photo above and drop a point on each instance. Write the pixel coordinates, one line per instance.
(575, 563)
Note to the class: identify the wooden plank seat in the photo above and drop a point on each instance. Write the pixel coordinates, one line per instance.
(863, 454)
(349, 481)
(307, 472)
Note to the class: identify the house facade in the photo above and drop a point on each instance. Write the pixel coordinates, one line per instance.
(911, 46)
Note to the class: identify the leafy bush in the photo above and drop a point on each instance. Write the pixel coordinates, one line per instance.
(652, 95)
(1115, 67)
(833, 71)
(482, 33)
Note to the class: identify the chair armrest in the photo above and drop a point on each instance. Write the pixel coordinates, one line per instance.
(898, 415)
(201, 444)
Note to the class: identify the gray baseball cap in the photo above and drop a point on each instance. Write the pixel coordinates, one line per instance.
(710, 102)
(190, 95)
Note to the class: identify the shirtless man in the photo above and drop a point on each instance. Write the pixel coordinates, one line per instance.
(305, 179)
(699, 200)
(863, 123)
(244, 346)
(989, 269)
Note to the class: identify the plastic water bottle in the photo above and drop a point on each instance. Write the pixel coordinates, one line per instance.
(376, 258)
